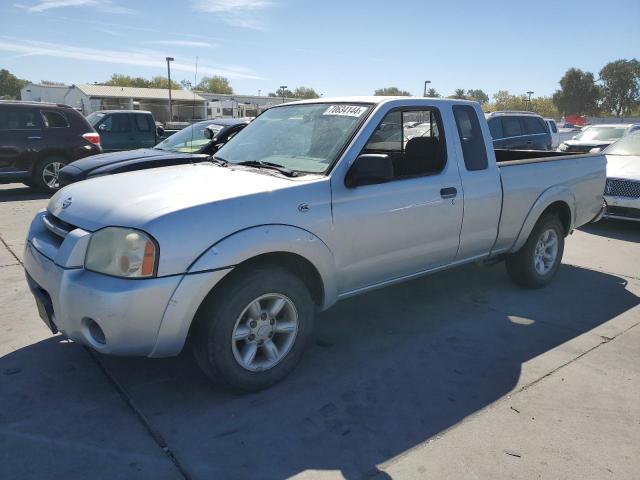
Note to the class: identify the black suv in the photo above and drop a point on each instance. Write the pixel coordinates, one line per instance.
(38, 139)
(519, 131)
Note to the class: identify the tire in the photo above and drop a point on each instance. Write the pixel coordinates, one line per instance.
(229, 310)
(531, 266)
(45, 174)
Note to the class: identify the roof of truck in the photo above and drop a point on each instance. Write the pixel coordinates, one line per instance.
(376, 100)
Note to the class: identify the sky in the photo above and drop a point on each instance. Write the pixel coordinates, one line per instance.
(337, 47)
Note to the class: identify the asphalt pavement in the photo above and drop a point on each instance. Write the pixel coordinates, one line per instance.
(456, 375)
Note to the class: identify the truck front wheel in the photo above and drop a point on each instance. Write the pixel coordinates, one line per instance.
(252, 332)
(537, 262)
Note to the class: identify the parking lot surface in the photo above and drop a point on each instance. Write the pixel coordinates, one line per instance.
(456, 375)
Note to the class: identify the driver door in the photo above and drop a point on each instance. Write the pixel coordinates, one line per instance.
(410, 224)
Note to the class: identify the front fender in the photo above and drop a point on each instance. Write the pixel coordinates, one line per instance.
(249, 243)
(558, 193)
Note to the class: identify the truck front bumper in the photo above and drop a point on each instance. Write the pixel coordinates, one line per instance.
(147, 317)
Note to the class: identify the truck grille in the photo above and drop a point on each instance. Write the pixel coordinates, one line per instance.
(57, 226)
(622, 188)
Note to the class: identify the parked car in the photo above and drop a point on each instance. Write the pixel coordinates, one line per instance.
(597, 137)
(37, 139)
(192, 144)
(553, 130)
(312, 202)
(622, 191)
(519, 131)
(125, 129)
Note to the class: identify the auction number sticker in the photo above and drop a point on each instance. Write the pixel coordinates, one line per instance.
(345, 110)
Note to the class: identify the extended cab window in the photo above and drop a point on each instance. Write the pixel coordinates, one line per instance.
(143, 122)
(54, 119)
(413, 140)
(115, 124)
(471, 139)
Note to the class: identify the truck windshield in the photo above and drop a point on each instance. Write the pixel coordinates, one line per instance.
(601, 133)
(94, 118)
(189, 140)
(304, 138)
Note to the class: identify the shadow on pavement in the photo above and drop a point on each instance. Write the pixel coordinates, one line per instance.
(386, 371)
(17, 192)
(618, 229)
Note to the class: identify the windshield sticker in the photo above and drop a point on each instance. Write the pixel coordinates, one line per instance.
(345, 110)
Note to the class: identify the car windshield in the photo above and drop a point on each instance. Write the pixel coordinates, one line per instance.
(94, 118)
(304, 138)
(601, 133)
(629, 145)
(190, 139)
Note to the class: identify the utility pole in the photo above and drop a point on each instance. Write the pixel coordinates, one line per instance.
(169, 59)
(425, 87)
(283, 88)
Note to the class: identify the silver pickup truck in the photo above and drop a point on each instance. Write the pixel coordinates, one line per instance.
(313, 202)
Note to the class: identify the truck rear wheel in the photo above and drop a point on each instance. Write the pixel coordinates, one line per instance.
(252, 332)
(537, 262)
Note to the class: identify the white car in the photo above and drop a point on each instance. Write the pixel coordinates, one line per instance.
(595, 138)
(555, 134)
(622, 190)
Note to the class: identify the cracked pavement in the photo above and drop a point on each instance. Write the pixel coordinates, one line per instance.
(456, 375)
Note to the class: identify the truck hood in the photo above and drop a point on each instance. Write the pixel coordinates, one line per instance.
(136, 198)
(623, 166)
(589, 143)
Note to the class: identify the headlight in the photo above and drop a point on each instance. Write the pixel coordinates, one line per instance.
(562, 147)
(122, 252)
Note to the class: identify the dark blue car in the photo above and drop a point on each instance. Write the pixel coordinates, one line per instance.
(192, 144)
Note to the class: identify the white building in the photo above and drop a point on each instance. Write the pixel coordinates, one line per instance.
(220, 105)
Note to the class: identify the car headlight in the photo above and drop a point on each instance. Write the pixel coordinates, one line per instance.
(122, 252)
(562, 147)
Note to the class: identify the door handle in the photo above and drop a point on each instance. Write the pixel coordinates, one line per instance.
(449, 192)
(34, 138)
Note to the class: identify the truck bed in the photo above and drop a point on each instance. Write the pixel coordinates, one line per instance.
(526, 175)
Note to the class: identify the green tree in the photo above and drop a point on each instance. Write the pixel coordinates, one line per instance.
(215, 84)
(620, 86)
(433, 93)
(305, 92)
(163, 82)
(287, 93)
(10, 85)
(119, 80)
(544, 107)
(578, 94)
(459, 94)
(478, 95)
(391, 92)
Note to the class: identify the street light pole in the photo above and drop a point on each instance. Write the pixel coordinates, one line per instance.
(169, 59)
(283, 88)
(529, 100)
(425, 87)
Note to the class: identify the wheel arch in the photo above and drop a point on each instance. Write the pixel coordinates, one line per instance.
(558, 200)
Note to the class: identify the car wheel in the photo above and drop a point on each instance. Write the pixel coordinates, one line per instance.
(46, 174)
(537, 262)
(251, 333)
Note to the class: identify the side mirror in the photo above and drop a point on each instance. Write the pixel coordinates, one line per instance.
(208, 133)
(159, 131)
(370, 169)
(102, 127)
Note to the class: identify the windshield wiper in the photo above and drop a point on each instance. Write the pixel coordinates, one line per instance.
(272, 166)
(219, 161)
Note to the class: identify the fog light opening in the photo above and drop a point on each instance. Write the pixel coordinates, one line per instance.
(97, 335)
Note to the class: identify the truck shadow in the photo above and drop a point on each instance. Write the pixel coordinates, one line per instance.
(617, 229)
(386, 372)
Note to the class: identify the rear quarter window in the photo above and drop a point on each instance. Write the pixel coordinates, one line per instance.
(53, 119)
(553, 126)
(534, 125)
(495, 127)
(471, 139)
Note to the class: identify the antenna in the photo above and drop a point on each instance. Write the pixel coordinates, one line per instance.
(193, 109)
